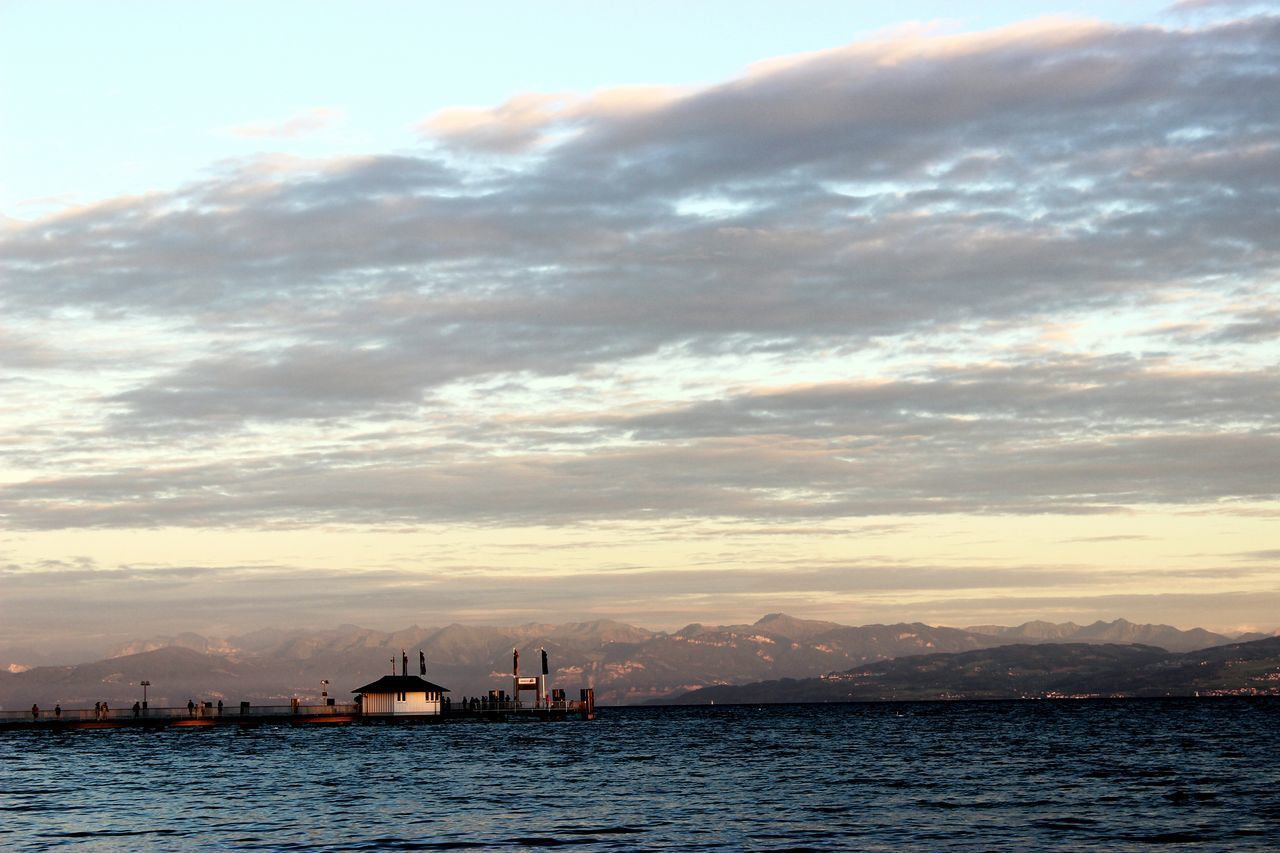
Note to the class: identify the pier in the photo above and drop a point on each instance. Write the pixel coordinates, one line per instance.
(391, 699)
(203, 716)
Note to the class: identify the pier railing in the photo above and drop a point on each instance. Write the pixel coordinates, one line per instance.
(230, 713)
(199, 712)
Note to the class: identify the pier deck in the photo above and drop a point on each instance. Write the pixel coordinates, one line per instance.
(300, 715)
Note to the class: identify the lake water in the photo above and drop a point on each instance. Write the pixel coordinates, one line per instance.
(966, 775)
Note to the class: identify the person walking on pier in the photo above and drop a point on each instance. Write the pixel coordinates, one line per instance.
(219, 707)
(35, 711)
(104, 710)
(57, 711)
(191, 708)
(137, 709)
(97, 710)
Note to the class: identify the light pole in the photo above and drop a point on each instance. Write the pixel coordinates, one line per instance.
(324, 691)
(145, 684)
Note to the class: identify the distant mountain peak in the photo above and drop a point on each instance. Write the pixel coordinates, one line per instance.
(623, 662)
(774, 617)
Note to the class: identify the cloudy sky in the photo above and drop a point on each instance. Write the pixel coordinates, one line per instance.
(393, 313)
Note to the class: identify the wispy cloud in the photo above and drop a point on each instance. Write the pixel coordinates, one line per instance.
(304, 123)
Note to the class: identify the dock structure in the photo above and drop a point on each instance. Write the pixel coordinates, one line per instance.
(402, 698)
(205, 715)
(402, 695)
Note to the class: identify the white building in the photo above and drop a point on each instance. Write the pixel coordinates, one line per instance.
(394, 695)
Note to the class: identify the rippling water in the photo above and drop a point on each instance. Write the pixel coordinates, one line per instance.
(1101, 774)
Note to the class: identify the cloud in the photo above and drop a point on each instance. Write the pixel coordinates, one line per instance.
(535, 120)
(1249, 326)
(304, 123)
(1212, 5)
(817, 290)
(24, 351)
(842, 160)
(1068, 436)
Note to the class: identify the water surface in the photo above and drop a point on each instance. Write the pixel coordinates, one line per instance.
(965, 775)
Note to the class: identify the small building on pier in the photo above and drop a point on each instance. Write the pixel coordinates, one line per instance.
(395, 695)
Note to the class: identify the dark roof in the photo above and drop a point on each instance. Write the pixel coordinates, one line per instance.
(401, 684)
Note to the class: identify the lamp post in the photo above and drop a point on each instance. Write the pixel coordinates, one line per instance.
(324, 691)
(145, 684)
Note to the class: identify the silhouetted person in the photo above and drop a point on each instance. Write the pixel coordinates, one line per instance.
(404, 662)
(137, 709)
(219, 707)
(35, 711)
(104, 710)
(57, 711)
(97, 710)
(191, 708)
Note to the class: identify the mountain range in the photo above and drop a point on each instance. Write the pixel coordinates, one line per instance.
(624, 663)
(1056, 670)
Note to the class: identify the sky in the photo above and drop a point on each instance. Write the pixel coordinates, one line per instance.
(393, 313)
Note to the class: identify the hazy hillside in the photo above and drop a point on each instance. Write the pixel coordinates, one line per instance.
(1119, 631)
(625, 664)
(1026, 671)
